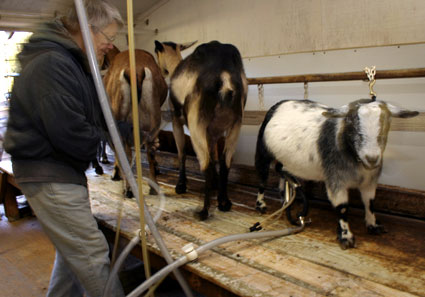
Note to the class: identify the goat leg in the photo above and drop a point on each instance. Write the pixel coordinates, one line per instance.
(224, 204)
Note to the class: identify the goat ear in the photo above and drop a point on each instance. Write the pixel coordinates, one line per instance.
(184, 46)
(158, 46)
(336, 112)
(398, 112)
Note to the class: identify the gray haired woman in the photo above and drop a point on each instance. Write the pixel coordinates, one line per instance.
(54, 129)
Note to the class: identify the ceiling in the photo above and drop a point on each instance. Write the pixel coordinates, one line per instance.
(11, 10)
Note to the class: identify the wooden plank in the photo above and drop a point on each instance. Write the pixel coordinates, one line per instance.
(341, 76)
(8, 194)
(10, 204)
(8, 191)
(235, 275)
(197, 283)
(296, 259)
(309, 263)
(253, 117)
(416, 124)
(209, 266)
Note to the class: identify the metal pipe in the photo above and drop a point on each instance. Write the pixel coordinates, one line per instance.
(136, 133)
(119, 149)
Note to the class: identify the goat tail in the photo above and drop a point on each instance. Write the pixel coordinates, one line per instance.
(141, 76)
(226, 91)
(146, 83)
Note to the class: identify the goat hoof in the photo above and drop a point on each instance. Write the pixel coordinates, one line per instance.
(129, 194)
(115, 177)
(99, 170)
(261, 207)
(347, 243)
(181, 188)
(203, 215)
(226, 206)
(376, 230)
(152, 191)
(157, 171)
(105, 161)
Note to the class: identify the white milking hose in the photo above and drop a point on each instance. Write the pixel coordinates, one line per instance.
(192, 254)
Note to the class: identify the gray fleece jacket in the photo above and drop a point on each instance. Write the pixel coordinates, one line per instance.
(55, 121)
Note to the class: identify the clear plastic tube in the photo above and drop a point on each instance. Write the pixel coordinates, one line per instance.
(120, 261)
(119, 149)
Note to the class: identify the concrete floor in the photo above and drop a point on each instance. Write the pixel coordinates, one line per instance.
(26, 257)
(26, 261)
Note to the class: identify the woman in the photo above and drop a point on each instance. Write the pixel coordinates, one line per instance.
(55, 126)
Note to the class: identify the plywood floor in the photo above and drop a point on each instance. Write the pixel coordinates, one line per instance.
(310, 263)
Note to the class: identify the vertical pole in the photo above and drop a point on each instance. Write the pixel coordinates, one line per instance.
(119, 153)
(136, 133)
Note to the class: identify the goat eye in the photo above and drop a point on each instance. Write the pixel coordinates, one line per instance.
(166, 71)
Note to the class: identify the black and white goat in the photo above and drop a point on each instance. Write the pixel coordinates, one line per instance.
(208, 93)
(341, 147)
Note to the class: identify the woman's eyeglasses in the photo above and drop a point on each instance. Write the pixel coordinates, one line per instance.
(108, 38)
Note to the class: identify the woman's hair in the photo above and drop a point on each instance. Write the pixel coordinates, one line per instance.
(99, 15)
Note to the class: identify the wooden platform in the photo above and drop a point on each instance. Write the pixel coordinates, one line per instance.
(9, 191)
(310, 263)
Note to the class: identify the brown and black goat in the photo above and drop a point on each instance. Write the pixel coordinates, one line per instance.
(208, 93)
(151, 94)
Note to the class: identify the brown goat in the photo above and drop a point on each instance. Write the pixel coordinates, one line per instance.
(151, 93)
(101, 154)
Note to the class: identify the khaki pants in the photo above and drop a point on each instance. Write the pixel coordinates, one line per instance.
(82, 253)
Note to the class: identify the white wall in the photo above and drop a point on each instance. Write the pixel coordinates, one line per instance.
(404, 158)
(271, 27)
(313, 36)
